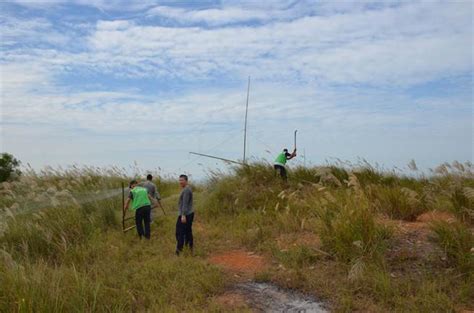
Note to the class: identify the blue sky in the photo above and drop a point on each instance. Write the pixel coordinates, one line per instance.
(118, 82)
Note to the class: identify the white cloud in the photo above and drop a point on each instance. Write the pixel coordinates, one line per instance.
(294, 61)
(388, 46)
(234, 12)
(377, 47)
(210, 16)
(31, 31)
(113, 5)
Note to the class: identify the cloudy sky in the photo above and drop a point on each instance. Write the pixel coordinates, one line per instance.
(114, 82)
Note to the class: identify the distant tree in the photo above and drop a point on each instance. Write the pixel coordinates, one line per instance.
(8, 167)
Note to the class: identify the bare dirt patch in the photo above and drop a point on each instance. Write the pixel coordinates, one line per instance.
(435, 216)
(240, 261)
(247, 295)
(412, 250)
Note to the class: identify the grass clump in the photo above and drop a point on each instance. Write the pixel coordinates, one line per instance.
(397, 202)
(50, 233)
(320, 232)
(253, 187)
(297, 257)
(457, 241)
(352, 233)
(462, 199)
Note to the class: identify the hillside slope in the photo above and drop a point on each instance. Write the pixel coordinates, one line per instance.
(357, 239)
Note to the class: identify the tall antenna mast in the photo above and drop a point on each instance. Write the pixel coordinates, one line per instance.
(245, 137)
(246, 112)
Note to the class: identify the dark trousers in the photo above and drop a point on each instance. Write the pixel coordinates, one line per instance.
(184, 233)
(282, 171)
(142, 216)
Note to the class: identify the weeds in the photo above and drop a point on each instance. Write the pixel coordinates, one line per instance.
(397, 202)
(462, 199)
(352, 233)
(457, 241)
(62, 249)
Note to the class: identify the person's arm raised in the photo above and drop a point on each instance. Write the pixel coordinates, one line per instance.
(292, 155)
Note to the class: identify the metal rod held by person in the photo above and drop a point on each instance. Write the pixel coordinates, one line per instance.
(295, 138)
(162, 208)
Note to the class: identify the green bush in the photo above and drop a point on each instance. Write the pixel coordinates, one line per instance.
(48, 234)
(397, 202)
(457, 240)
(339, 172)
(301, 174)
(8, 167)
(369, 175)
(253, 187)
(352, 232)
(462, 199)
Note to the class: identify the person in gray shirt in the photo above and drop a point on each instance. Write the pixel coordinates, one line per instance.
(184, 223)
(152, 191)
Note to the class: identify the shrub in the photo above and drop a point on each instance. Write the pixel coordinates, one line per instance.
(339, 172)
(397, 202)
(352, 232)
(462, 199)
(368, 175)
(457, 240)
(304, 174)
(8, 167)
(47, 234)
(253, 187)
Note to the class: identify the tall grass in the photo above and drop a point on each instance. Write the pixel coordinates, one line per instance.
(397, 202)
(457, 241)
(62, 249)
(462, 199)
(352, 233)
(50, 233)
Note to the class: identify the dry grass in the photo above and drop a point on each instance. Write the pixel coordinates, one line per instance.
(61, 248)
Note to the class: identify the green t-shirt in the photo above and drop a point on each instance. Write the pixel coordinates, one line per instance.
(281, 159)
(139, 196)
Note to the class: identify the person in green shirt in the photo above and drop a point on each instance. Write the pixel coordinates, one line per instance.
(141, 204)
(280, 162)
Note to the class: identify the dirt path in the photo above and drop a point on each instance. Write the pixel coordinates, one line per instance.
(246, 294)
(240, 263)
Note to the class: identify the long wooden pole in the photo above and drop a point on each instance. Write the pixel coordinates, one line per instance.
(214, 157)
(245, 126)
(123, 206)
(124, 213)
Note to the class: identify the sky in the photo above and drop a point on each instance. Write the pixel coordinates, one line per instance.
(121, 82)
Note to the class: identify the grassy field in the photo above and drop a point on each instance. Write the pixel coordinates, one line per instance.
(357, 238)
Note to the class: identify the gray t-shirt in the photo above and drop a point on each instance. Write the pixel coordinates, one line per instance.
(185, 204)
(151, 187)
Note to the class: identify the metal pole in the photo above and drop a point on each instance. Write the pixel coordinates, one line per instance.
(295, 138)
(246, 113)
(214, 157)
(162, 208)
(304, 157)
